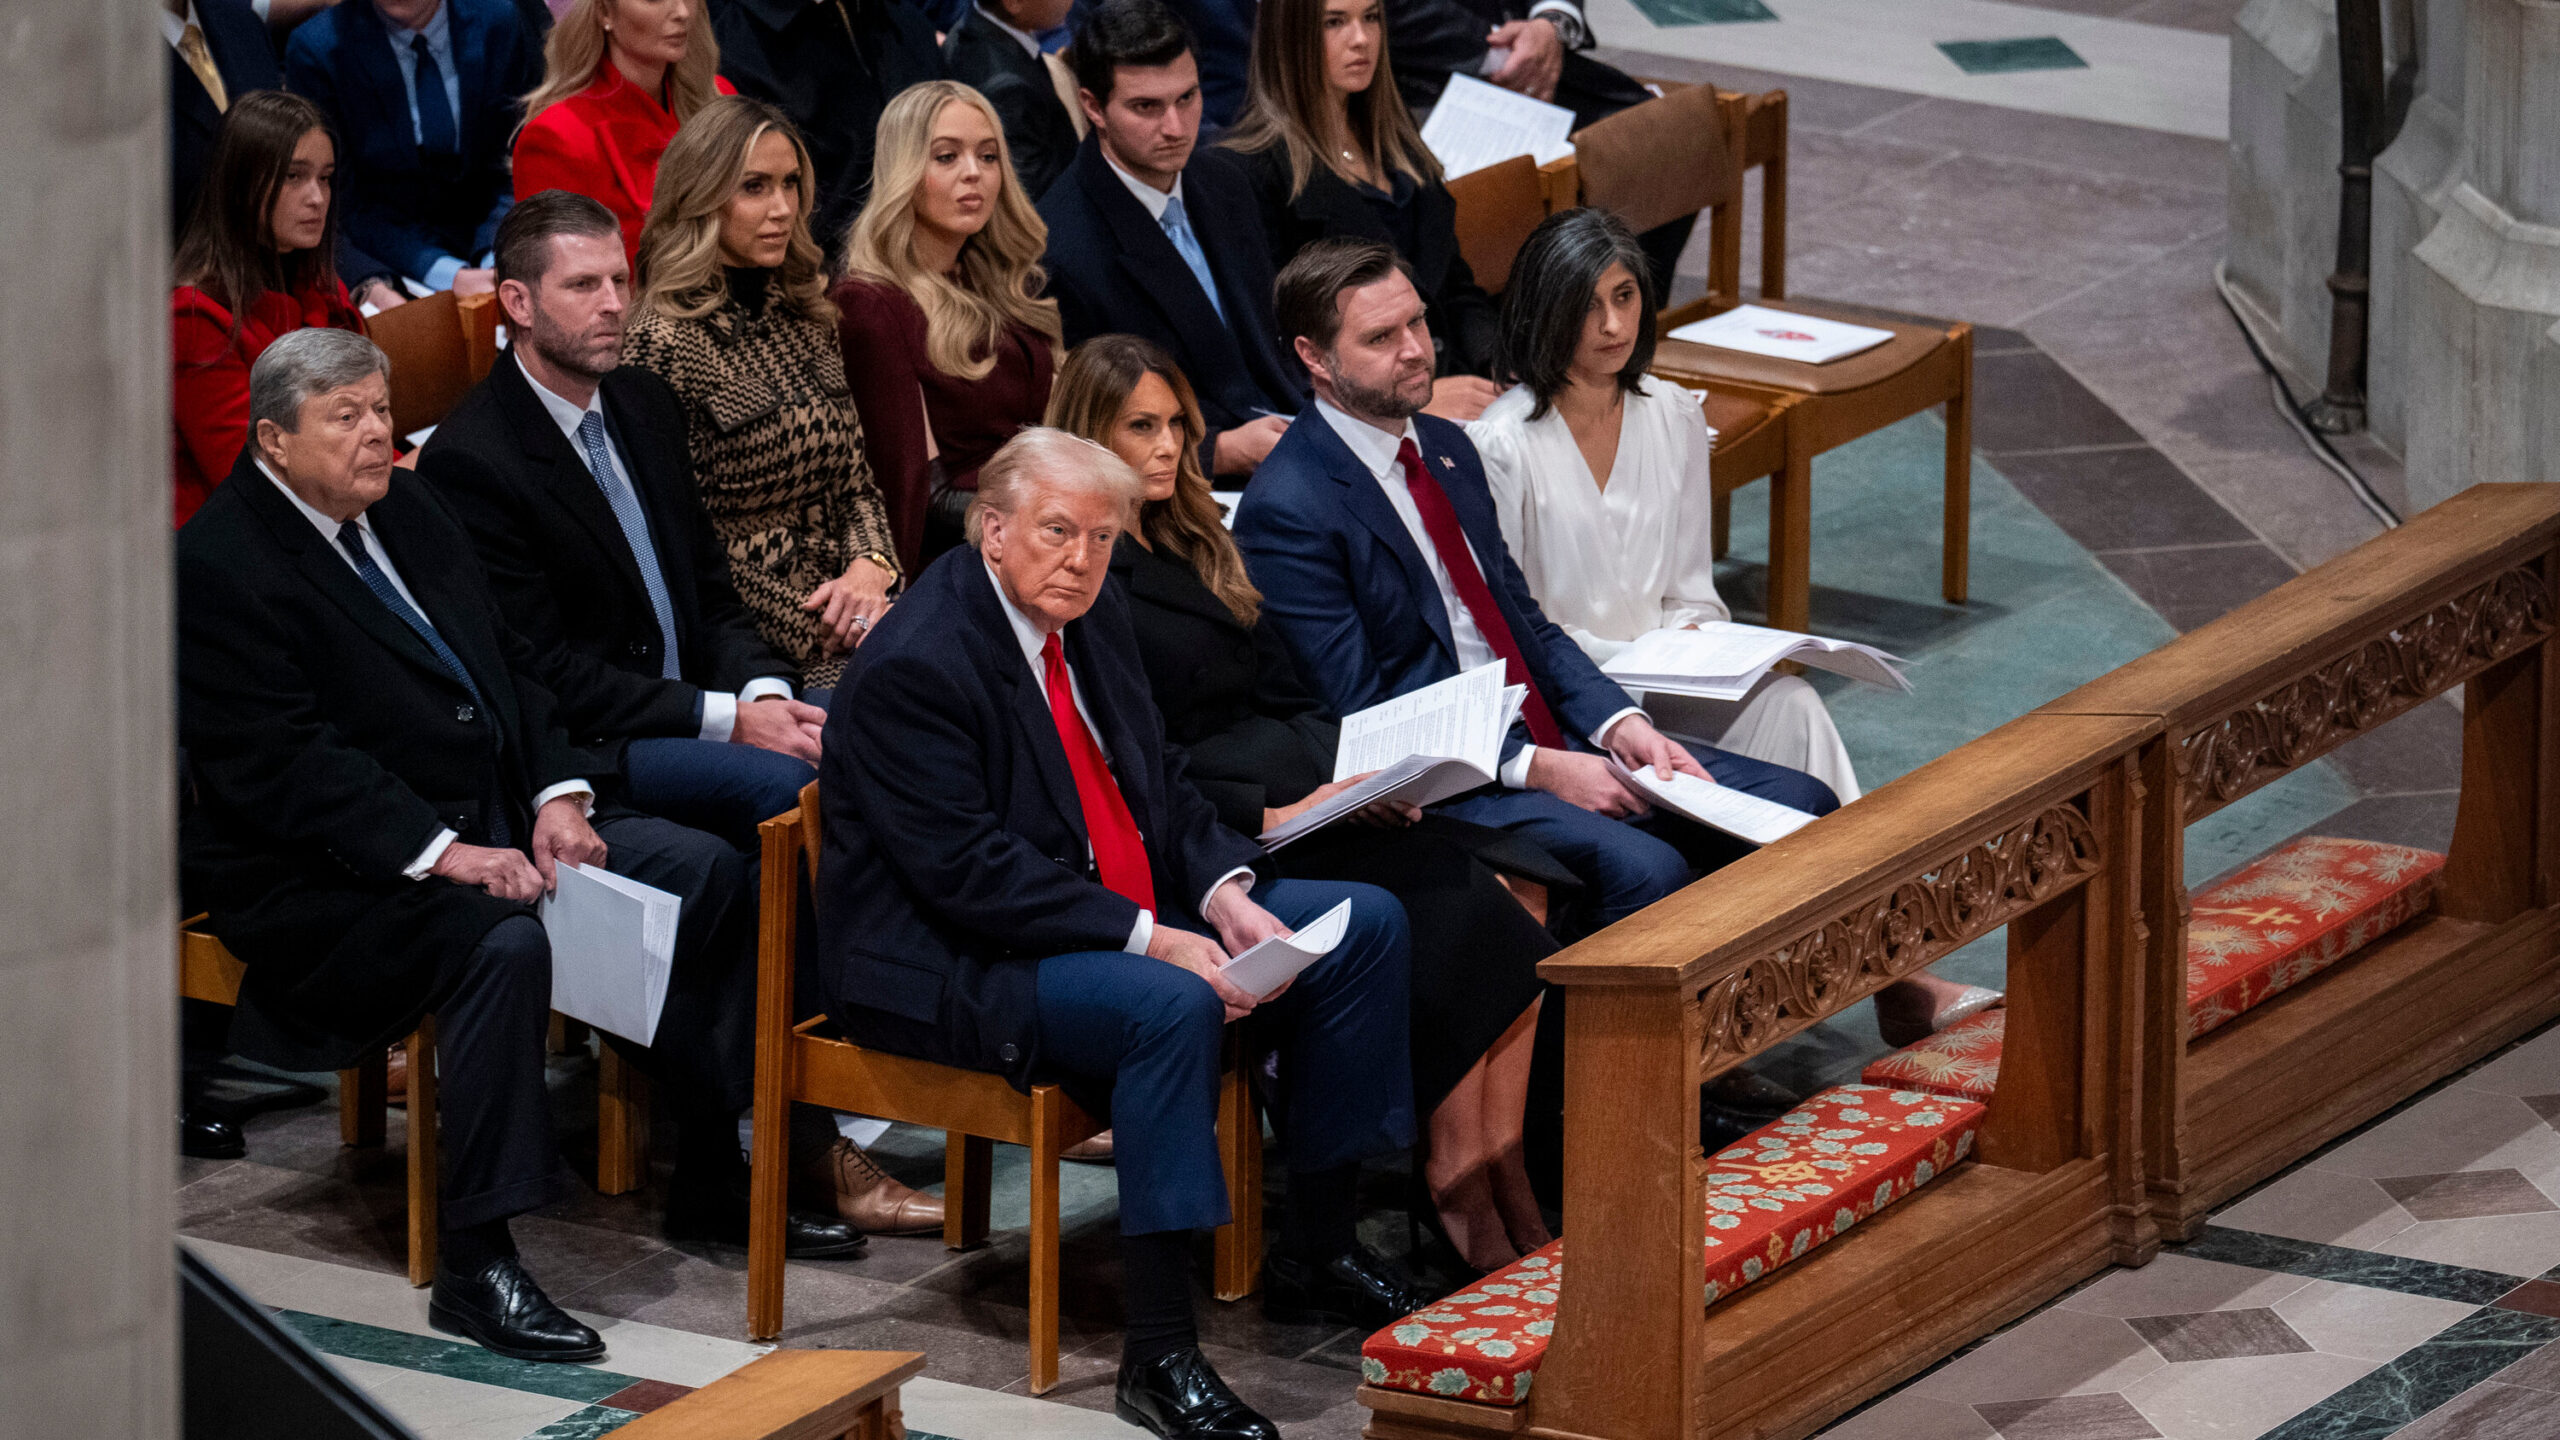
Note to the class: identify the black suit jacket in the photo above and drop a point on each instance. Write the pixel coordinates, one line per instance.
(247, 60)
(399, 205)
(832, 66)
(956, 856)
(1037, 128)
(328, 746)
(1111, 269)
(560, 564)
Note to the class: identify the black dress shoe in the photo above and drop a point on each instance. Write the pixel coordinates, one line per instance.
(1753, 1097)
(1179, 1397)
(1358, 1287)
(501, 1310)
(720, 1218)
(207, 1136)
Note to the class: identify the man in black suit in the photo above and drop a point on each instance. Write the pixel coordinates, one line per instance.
(996, 48)
(383, 791)
(832, 65)
(426, 95)
(1148, 238)
(1016, 878)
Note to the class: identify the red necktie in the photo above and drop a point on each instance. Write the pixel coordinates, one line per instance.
(1440, 522)
(1117, 851)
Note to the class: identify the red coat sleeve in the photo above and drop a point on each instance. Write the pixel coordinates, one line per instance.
(882, 333)
(210, 406)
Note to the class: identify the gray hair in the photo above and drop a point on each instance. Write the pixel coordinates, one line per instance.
(303, 363)
(1041, 457)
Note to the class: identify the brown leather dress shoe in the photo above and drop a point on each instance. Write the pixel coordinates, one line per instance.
(1096, 1151)
(868, 1197)
(395, 1077)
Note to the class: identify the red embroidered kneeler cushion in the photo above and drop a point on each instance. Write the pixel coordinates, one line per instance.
(1782, 1191)
(2292, 913)
(1962, 1060)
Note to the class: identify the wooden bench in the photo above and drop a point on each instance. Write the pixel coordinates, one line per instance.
(2460, 597)
(440, 346)
(791, 1395)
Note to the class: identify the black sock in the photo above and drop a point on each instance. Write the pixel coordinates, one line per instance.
(813, 1132)
(706, 1151)
(1155, 1288)
(472, 1249)
(1321, 1220)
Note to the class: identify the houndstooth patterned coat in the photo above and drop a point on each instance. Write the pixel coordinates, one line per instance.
(778, 452)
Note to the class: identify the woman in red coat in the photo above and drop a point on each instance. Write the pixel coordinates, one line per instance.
(255, 262)
(619, 77)
(947, 345)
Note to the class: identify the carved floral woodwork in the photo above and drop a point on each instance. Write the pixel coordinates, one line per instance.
(1914, 924)
(2382, 677)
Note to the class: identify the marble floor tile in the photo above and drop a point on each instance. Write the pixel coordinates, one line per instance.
(2464, 1354)
(453, 1359)
(2363, 1323)
(2425, 821)
(2028, 402)
(2087, 147)
(2534, 1297)
(441, 1408)
(2212, 17)
(592, 1423)
(2523, 1246)
(2128, 498)
(2326, 1422)
(2465, 1194)
(2539, 1370)
(2419, 751)
(642, 1396)
(2491, 1412)
(1913, 1417)
(2068, 1417)
(2219, 1335)
(2406, 1275)
(2238, 1399)
(2322, 1205)
(2190, 585)
(974, 1414)
(2532, 1068)
(2060, 1352)
(2174, 1284)
(2458, 1128)
(1814, 106)
(2012, 57)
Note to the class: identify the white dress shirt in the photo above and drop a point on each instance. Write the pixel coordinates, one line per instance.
(1376, 448)
(1034, 640)
(719, 711)
(1154, 199)
(328, 528)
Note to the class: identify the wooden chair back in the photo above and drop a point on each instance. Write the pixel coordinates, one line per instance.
(1656, 162)
(1497, 208)
(440, 346)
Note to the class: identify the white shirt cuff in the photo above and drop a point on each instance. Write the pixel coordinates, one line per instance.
(428, 857)
(719, 716)
(567, 787)
(1600, 737)
(1242, 873)
(1141, 934)
(764, 685)
(1514, 773)
(1492, 61)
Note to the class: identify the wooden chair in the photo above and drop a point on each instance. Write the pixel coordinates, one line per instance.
(792, 1395)
(440, 346)
(797, 1061)
(1683, 153)
(1762, 126)
(1497, 208)
(207, 970)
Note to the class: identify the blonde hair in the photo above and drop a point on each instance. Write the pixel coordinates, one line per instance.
(578, 49)
(1040, 455)
(1092, 386)
(681, 269)
(1000, 274)
(1285, 88)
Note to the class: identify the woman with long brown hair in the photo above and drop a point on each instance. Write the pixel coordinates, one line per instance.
(733, 313)
(947, 343)
(255, 263)
(1331, 150)
(1261, 748)
(619, 77)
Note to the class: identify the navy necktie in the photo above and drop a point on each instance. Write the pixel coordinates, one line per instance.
(435, 112)
(351, 540)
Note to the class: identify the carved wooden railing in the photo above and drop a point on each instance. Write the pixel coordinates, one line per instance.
(2461, 597)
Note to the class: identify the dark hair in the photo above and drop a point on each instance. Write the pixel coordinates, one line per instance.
(1552, 279)
(1285, 98)
(229, 249)
(524, 237)
(1308, 292)
(1124, 32)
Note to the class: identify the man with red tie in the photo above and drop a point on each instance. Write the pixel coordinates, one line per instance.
(1372, 536)
(1017, 878)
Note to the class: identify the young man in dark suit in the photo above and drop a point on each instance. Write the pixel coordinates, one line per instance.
(1148, 238)
(426, 95)
(383, 792)
(996, 48)
(1016, 878)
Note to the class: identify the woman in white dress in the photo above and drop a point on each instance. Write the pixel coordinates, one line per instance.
(1599, 474)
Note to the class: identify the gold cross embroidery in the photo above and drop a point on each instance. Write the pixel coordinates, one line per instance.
(1788, 1172)
(2268, 915)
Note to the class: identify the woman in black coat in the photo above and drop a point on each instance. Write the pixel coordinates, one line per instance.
(1331, 150)
(1261, 748)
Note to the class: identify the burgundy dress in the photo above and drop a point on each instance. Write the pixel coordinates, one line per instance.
(897, 392)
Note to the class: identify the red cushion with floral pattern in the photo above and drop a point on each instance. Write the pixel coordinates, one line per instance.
(1962, 1060)
(1780, 1192)
(2292, 913)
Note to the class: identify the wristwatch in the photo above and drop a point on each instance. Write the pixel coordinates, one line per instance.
(1569, 27)
(885, 562)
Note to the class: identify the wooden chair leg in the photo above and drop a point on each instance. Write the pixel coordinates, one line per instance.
(423, 1126)
(622, 1125)
(363, 1093)
(1045, 1145)
(568, 1037)
(968, 1173)
(1791, 539)
(1773, 214)
(1236, 1266)
(768, 1202)
(1723, 507)
(1959, 517)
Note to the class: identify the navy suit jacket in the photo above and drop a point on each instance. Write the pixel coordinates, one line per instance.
(401, 207)
(1111, 269)
(237, 39)
(955, 856)
(1346, 586)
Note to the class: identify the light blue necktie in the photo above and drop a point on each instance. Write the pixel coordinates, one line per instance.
(351, 539)
(1177, 228)
(635, 529)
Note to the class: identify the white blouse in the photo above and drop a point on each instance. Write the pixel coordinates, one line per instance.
(1608, 565)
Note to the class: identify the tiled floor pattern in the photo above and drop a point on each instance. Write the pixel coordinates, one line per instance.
(2402, 1283)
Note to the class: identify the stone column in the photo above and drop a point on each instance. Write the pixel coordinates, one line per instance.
(2484, 315)
(87, 1057)
(2283, 207)
(2409, 184)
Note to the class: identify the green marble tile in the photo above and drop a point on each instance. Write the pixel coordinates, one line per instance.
(2320, 1422)
(585, 1424)
(452, 1358)
(2458, 1357)
(2315, 1261)
(2009, 57)
(1666, 13)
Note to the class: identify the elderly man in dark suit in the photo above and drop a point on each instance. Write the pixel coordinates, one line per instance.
(384, 792)
(1016, 878)
(1148, 238)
